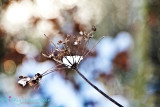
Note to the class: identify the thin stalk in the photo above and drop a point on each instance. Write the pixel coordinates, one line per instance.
(105, 95)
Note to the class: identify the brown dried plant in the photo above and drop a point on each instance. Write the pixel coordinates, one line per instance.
(69, 58)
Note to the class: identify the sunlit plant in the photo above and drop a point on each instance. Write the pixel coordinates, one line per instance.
(68, 57)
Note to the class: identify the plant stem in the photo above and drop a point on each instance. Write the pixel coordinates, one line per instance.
(105, 95)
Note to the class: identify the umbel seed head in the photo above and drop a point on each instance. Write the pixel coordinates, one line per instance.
(73, 51)
(31, 81)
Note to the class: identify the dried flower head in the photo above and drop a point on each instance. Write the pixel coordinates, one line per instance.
(69, 57)
(31, 81)
(23, 80)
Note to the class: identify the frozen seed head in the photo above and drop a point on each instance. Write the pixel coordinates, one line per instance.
(23, 81)
(73, 51)
(69, 57)
(31, 81)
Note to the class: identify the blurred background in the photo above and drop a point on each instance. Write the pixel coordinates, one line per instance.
(125, 64)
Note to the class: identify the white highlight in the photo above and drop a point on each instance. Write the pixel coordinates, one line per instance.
(70, 60)
(81, 33)
(75, 43)
(18, 13)
(24, 81)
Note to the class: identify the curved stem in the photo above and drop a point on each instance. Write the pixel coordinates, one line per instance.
(105, 95)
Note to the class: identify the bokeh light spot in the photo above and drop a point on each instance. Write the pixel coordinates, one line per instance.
(22, 47)
(9, 66)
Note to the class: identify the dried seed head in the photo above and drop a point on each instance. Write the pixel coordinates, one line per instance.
(71, 45)
(94, 28)
(31, 81)
(34, 82)
(38, 75)
(23, 81)
(67, 55)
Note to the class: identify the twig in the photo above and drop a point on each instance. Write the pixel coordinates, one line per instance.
(105, 95)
